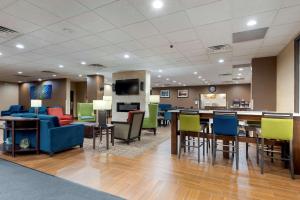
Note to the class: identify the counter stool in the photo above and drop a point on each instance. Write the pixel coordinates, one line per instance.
(276, 127)
(190, 128)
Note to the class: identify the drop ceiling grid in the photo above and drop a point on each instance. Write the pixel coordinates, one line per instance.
(68, 47)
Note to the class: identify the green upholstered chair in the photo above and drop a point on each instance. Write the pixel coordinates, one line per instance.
(85, 112)
(276, 127)
(190, 129)
(151, 121)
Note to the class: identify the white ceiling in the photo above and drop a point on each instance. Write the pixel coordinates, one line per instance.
(66, 32)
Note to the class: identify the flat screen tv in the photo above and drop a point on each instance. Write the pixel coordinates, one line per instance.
(127, 87)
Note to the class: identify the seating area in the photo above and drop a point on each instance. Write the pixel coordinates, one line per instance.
(155, 99)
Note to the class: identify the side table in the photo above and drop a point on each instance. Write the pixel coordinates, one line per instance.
(109, 128)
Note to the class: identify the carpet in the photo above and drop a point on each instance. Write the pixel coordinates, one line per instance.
(136, 148)
(21, 183)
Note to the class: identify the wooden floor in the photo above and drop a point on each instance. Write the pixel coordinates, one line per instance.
(159, 175)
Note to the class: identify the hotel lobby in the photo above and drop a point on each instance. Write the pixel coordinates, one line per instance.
(149, 99)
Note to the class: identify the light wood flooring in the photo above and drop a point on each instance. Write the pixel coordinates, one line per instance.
(159, 175)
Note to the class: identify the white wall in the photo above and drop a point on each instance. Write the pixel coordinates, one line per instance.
(9, 95)
(285, 79)
(107, 90)
(142, 98)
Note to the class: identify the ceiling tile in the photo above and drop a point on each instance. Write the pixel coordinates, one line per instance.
(216, 34)
(145, 7)
(195, 3)
(91, 22)
(4, 3)
(115, 36)
(31, 13)
(92, 4)
(120, 13)
(67, 29)
(172, 22)
(63, 9)
(141, 29)
(49, 36)
(245, 7)
(277, 40)
(287, 15)
(263, 20)
(93, 41)
(154, 41)
(292, 29)
(131, 45)
(17, 24)
(214, 12)
(287, 3)
(182, 36)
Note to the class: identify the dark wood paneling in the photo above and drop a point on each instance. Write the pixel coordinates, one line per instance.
(95, 87)
(264, 75)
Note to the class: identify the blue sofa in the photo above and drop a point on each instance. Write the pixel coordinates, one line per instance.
(53, 137)
(12, 109)
(42, 110)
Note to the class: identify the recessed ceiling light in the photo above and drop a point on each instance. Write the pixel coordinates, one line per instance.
(54, 75)
(167, 79)
(221, 60)
(179, 83)
(20, 81)
(241, 69)
(199, 77)
(159, 76)
(126, 56)
(160, 70)
(203, 79)
(20, 72)
(174, 81)
(83, 63)
(39, 79)
(61, 66)
(251, 22)
(20, 46)
(1, 54)
(184, 84)
(157, 4)
(239, 74)
(195, 73)
(98, 73)
(80, 75)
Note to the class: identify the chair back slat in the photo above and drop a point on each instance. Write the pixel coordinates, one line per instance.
(189, 121)
(277, 126)
(225, 123)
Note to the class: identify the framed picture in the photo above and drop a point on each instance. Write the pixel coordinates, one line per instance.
(165, 93)
(182, 93)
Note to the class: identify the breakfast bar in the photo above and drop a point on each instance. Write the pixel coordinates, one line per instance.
(242, 115)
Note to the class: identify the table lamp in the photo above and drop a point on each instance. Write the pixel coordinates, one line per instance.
(154, 99)
(102, 106)
(36, 104)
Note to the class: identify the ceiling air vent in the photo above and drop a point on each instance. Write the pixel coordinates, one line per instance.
(7, 33)
(226, 74)
(238, 79)
(241, 66)
(22, 76)
(219, 49)
(97, 66)
(48, 72)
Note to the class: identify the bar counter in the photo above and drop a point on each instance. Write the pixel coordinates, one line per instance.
(242, 115)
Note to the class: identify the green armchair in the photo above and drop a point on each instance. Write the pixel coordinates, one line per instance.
(151, 121)
(85, 112)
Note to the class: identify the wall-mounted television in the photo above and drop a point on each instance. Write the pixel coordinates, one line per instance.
(127, 87)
